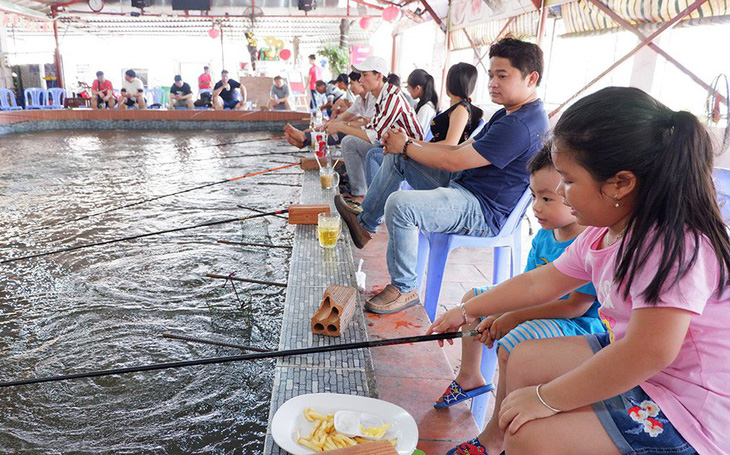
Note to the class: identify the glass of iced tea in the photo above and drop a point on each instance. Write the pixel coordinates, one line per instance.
(328, 229)
(328, 178)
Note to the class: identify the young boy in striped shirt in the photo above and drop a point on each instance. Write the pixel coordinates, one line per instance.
(573, 314)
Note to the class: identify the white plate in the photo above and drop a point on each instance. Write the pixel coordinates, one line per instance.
(290, 417)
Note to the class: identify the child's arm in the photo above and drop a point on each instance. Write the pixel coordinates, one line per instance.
(653, 339)
(541, 285)
(574, 306)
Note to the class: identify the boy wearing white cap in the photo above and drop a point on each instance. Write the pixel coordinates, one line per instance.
(391, 110)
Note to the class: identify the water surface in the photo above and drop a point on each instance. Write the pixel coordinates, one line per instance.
(107, 307)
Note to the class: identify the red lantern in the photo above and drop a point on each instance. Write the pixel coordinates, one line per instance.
(391, 13)
(365, 22)
(214, 33)
(285, 54)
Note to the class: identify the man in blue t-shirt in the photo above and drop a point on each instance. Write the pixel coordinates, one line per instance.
(469, 188)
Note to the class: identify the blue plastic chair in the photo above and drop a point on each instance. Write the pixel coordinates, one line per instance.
(7, 100)
(55, 98)
(436, 248)
(479, 127)
(155, 98)
(35, 98)
(721, 176)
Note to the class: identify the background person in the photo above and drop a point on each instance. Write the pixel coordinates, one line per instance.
(279, 95)
(224, 93)
(180, 94)
(313, 75)
(132, 92)
(102, 92)
(359, 114)
(204, 80)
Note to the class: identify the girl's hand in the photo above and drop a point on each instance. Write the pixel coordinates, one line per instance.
(520, 407)
(451, 321)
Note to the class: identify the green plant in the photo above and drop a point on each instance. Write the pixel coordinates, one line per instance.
(337, 58)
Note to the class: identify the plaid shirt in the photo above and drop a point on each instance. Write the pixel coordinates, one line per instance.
(392, 109)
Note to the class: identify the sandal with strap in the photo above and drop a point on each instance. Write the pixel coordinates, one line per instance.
(472, 447)
(456, 394)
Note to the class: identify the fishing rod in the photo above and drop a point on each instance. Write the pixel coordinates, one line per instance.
(139, 236)
(245, 280)
(113, 209)
(213, 342)
(253, 209)
(262, 245)
(243, 155)
(242, 357)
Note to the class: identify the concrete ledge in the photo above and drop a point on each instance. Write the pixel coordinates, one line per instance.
(151, 119)
(312, 269)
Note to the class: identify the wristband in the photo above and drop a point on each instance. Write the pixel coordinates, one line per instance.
(463, 312)
(539, 397)
(405, 148)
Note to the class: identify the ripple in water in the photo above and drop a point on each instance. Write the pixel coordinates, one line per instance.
(107, 307)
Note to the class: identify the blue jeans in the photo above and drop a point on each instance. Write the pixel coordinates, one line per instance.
(393, 172)
(373, 161)
(452, 210)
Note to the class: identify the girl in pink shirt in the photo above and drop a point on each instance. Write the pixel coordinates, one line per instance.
(657, 251)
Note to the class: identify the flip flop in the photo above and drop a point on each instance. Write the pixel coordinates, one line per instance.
(472, 447)
(456, 394)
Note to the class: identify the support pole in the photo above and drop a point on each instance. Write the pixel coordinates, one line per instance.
(625, 24)
(541, 24)
(57, 53)
(435, 16)
(667, 25)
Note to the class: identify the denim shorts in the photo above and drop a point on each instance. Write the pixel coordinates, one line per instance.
(634, 421)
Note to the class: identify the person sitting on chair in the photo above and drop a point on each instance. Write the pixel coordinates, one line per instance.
(279, 100)
(224, 93)
(180, 94)
(102, 93)
(132, 92)
(467, 189)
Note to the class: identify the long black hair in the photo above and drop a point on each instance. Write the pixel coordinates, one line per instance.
(461, 80)
(624, 129)
(421, 78)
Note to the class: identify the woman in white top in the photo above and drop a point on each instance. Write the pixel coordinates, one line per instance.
(421, 87)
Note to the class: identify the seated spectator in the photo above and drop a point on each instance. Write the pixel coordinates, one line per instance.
(572, 314)
(359, 114)
(451, 127)
(420, 85)
(319, 95)
(279, 95)
(102, 93)
(132, 92)
(224, 93)
(334, 94)
(391, 109)
(204, 80)
(341, 105)
(180, 94)
(467, 189)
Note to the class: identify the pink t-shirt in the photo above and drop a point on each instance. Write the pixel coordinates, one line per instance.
(314, 75)
(694, 391)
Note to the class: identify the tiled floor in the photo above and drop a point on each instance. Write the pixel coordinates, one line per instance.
(414, 376)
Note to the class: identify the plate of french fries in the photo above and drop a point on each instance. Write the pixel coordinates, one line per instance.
(306, 424)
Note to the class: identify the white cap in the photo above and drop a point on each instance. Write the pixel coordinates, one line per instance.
(372, 64)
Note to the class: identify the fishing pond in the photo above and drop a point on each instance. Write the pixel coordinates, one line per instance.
(108, 306)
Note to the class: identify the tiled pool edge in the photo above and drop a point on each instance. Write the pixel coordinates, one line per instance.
(312, 270)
